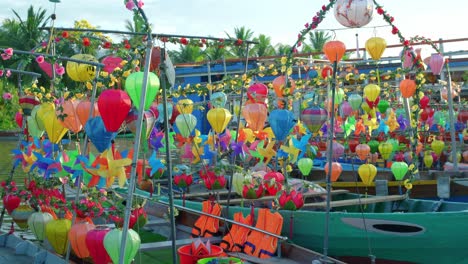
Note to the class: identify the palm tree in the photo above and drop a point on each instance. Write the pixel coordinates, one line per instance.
(282, 49)
(187, 53)
(264, 47)
(241, 33)
(29, 33)
(318, 39)
(217, 53)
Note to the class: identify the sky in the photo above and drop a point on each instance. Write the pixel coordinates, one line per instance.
(281, 20)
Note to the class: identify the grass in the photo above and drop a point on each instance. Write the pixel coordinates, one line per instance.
(159, 256)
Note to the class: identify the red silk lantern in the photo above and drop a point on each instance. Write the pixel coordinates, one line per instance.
(257, 93)
(334, 50)
(11, 202)
(424, 102)
(352, 144)
(255, 115)
(336, 170)
(82, 111)
(19, 119)
(77, 237)
(114, 106)
(69, 118)
(279, 85)
(463, 116)
(111, 62)
(95, 244)
(407, 88)
(326, 71)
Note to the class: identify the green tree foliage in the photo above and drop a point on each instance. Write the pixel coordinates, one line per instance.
(241, 33)
(264, 47)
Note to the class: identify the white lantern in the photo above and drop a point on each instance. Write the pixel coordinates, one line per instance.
(354, 13)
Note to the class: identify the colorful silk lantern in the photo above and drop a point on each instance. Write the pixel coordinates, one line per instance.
(363, 150)
(114, 106)
(281, 122)
(372, 92)
(399, 170)
(134, 85)
(27, 103)
(112, 242)
(54, 128)
(353, 14)
(367, 173)
(69, 117)
(82, 111)
(186, 124)
(305, 165)
(279, 85)
(436, 63)
(98, 134)
(37, 224)
(437, 146)
(111, 62)
(219, 118)
(334, 50)
(148, 121)
(255, 115)
(57, 234)
(21, 215)
(355, 100)
(218, 99)
(335, 172)
(257, 93)
(314, 118)
(185, 106)
(95, 244)
(407, 88)
(385, 149)
(77, 237)
(81, 72)
(375, 47)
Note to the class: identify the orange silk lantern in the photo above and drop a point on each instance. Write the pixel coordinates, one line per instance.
(83, 109)
(279, 86)
(336, 170)
(77, 237)
(362, 150)
(255, 115)
(334, 50)
(407, 88)
(69, 117)
(367, 173)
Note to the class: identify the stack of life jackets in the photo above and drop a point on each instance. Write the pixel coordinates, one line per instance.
(207, 226)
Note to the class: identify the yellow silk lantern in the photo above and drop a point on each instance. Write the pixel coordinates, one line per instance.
(57, 234)
(81, 72)
(219, 119)
(185, 106)
(372, 91)
(334, 50)
(367, 173)
(437, 146)
(54, 128)
(428, 159)
(385, 149)
(42, 109)
(365, 107)
(375, 47)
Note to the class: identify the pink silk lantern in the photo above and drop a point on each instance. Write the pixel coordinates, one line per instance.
(114, 106)
(82, 111)
(436, 63)
(338, 150)
(111, 62)
(95, 244)
(255, 115)
(70, 119)
(346, 109)
(257, 93)
(407, 59)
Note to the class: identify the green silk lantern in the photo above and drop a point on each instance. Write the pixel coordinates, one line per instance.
(375, 47)
(367, 173)
(218, 99)
(112, 242)
(399, 170)
(37, 224)
(428, 159)
(355, 100)
(383, 105)
(374, 146)
(219, 119)
(238, 182)
(437, 146)
(385, 149)
(339, 96)
(57, 234)
(305, 165)
(186, 124)
(134, 84)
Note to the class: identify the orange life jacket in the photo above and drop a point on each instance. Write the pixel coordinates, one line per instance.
(262, 245)
(235, 239)
(207, 226)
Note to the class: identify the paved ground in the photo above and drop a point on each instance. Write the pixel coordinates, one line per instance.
(8, 256)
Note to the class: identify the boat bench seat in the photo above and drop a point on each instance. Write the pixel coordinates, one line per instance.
(357, 201)
(178, 243)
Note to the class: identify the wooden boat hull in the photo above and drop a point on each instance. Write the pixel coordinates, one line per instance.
(415, 237)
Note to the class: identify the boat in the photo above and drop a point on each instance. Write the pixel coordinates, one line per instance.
(391, 229)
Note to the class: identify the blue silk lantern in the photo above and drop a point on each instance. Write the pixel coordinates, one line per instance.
(281, 121)
(97, 133)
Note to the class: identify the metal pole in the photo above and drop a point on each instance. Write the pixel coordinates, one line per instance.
(452, 122)
(84, 150)
(329, 159)
(168, 156)
(136, 147)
